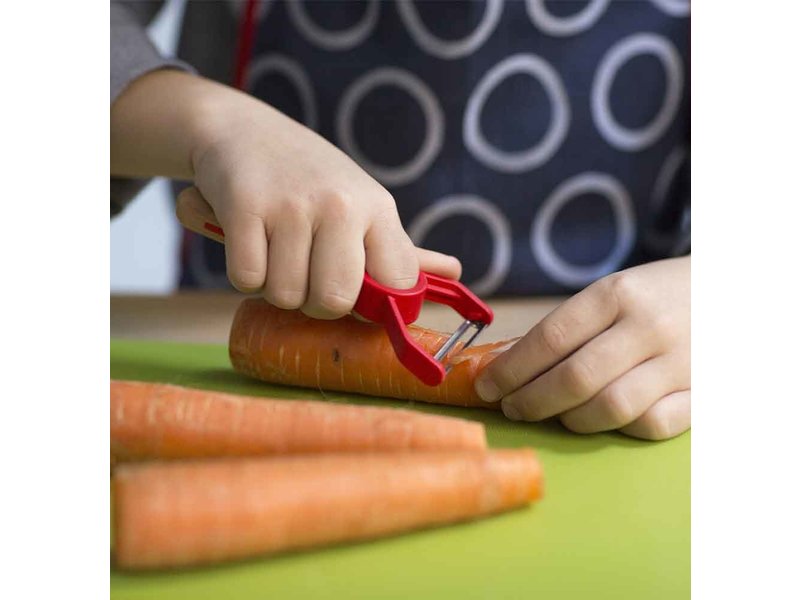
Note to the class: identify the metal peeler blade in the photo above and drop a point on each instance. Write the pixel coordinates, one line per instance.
(445, 354)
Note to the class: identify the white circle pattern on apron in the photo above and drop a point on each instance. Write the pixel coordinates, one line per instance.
(333, 40)
(293, 71)
(539, 153)
(449, 49)
(541, 243)
(619, 136)
(565, 26)
(434, 124)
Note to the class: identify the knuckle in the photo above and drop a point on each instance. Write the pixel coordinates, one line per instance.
(624, 289)
(383, 201)
(552, 336)
(385, 228)
(662, 326)
(618, 407)
(578, 377)
(385, 198)
(504, 375)
(337, 205)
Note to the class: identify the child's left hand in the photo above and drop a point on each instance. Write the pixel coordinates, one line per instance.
(614, 356)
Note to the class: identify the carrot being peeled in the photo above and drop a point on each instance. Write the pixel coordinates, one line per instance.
(287, 347)
(154, 420)
(196, 512)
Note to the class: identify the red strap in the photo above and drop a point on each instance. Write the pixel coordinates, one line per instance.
(244, 50)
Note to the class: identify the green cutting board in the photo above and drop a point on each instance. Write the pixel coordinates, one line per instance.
(614, 523)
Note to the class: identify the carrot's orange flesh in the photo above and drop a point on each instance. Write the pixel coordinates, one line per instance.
(194, 512)
(152, 420)
(287, 347)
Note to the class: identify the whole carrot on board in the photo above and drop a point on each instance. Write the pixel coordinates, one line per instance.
(154, 420)
(287, 347)
(196, 512)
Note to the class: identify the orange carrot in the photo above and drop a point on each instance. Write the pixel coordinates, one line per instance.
(287, 347)
(153, 420)
(195, 512)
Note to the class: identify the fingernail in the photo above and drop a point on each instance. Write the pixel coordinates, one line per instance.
(511, 411)
(487, 390)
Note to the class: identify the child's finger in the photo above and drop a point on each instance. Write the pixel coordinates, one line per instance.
(336, 269)
(288, 262)
(582, 375)
(245, 251)
(670, 416)
(625, 399)
(391, 258)
(439, 264)
(559, 334)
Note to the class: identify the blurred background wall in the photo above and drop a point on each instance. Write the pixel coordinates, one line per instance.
(145, 238)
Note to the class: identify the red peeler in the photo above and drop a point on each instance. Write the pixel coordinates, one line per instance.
(392, 308)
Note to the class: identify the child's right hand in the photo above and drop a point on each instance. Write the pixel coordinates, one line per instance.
(302, 221)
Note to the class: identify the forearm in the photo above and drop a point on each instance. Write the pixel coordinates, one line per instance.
(163, 119)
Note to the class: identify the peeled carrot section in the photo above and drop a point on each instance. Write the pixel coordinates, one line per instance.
(153, 420)
(287, 347)
(195, 512)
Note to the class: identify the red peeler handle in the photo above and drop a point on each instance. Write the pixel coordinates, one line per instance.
(371, 300)
(456, 295)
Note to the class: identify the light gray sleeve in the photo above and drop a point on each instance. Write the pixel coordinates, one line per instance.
(133, 55)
